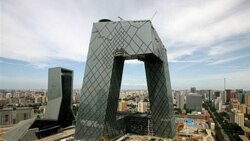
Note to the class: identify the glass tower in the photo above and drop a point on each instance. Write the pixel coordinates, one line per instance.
(112, 43)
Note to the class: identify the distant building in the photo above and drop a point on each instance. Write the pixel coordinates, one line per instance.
(9, 116)
(234, 104)
(224, 97)
(194, 102)
(180, 100)
(193, 90)
(230, 94)
(218, 103)
(217, 94)
(247, 99)
(248, 110)
(38, 99)
(3, 102)
(240, 95)
(237, 117)
(243, 108)
(247, 102)
(212, 125)
(210, 92)
(122, 106)
(142, 107)
(76, 98)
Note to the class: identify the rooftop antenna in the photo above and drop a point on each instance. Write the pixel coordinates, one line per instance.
(153, 15)
(121, 19)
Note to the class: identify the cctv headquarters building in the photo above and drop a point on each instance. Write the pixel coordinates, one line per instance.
(111, 44)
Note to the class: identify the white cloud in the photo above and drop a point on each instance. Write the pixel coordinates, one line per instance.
(39, 32)
(229, 47)
(134, 61)
(222, 61)
(43, 30)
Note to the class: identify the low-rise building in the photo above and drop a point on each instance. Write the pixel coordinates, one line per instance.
(9, 116)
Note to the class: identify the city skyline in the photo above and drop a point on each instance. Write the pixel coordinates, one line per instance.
(206, 41)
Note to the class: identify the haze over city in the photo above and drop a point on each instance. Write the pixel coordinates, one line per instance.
(206, 41)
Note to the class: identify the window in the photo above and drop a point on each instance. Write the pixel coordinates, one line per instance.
(6, 118)
(25, 116)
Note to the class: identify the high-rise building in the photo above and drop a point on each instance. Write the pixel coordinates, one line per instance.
(194, 102)
(230, 94)
(193, 90)
(234, 104)
(248, 110)
(111, 44)
(217, 94)
(247, 99)
(237, 117)
(58, 112)
(122, 106)
(210, 95)
(218, 103)
(243, 108)
(180, 100)
(142, 107)
(224, 97)
(60, 88)
(240, 95)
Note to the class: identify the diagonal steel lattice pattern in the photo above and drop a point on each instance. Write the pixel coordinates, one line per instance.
(112, 43)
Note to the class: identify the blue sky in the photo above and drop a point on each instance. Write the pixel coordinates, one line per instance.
(206, 40)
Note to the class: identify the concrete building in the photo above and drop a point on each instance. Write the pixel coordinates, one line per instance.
(218, 104)
(194, 102)
(237, 117)
(212, 125)
(247, 102)
(247, 99)
(122, 106)
(243, 108)
(142, 107)
(180, 100)
(230, 94)
(234, 104)
(224, 96)
(248, 110)
(9, 116)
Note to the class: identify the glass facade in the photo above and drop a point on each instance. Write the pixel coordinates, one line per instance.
(60, 88)
(112, 43)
